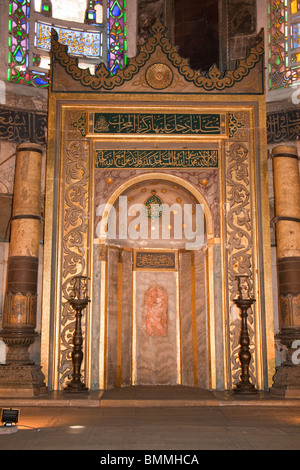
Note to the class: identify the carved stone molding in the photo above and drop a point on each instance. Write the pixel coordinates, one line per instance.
(286, 381)
(213, 80)
(21, 380)
(74, 243)
(21, 308)
(239, 245)
(290, 309)
(18, 344)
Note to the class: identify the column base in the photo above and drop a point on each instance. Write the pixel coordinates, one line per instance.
(21, 380)
(286, 381)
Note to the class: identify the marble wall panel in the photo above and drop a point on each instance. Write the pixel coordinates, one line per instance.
(156, 358)
(218, 314)
(119, 319)
(201, 319)
(187, 360)
(95, 335)
(4, 250)
(126, 318)
(112, 318)
(5, 215)
(7, 162)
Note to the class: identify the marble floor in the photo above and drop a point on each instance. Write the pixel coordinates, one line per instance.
(179, 420)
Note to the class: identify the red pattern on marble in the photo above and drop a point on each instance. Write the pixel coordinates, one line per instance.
(156, 302)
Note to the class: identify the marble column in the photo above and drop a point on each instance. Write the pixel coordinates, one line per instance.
(287, 211)
(20, 376)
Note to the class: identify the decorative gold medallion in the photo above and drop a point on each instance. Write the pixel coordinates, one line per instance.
(159, 76)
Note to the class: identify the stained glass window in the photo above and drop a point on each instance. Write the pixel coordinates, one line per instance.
(284, 43)
(116, 33)
(98, 37)
(18, 45)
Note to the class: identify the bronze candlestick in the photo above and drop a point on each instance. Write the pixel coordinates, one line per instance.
(78, 301)
(244, 302)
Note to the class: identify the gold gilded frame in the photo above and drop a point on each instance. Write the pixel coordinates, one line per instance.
(212, 94)
(137, 268)
(53, 225)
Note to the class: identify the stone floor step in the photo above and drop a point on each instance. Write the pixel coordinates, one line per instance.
(148, 396)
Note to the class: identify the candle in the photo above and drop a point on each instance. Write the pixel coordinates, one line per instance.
(80, 288)
(243, 286)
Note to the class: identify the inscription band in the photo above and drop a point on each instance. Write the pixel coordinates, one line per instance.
(157, 159)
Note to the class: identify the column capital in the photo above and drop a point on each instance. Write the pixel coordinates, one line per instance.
(287, 151)
(30, 147)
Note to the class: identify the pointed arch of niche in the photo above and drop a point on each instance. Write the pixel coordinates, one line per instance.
(210, 240)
